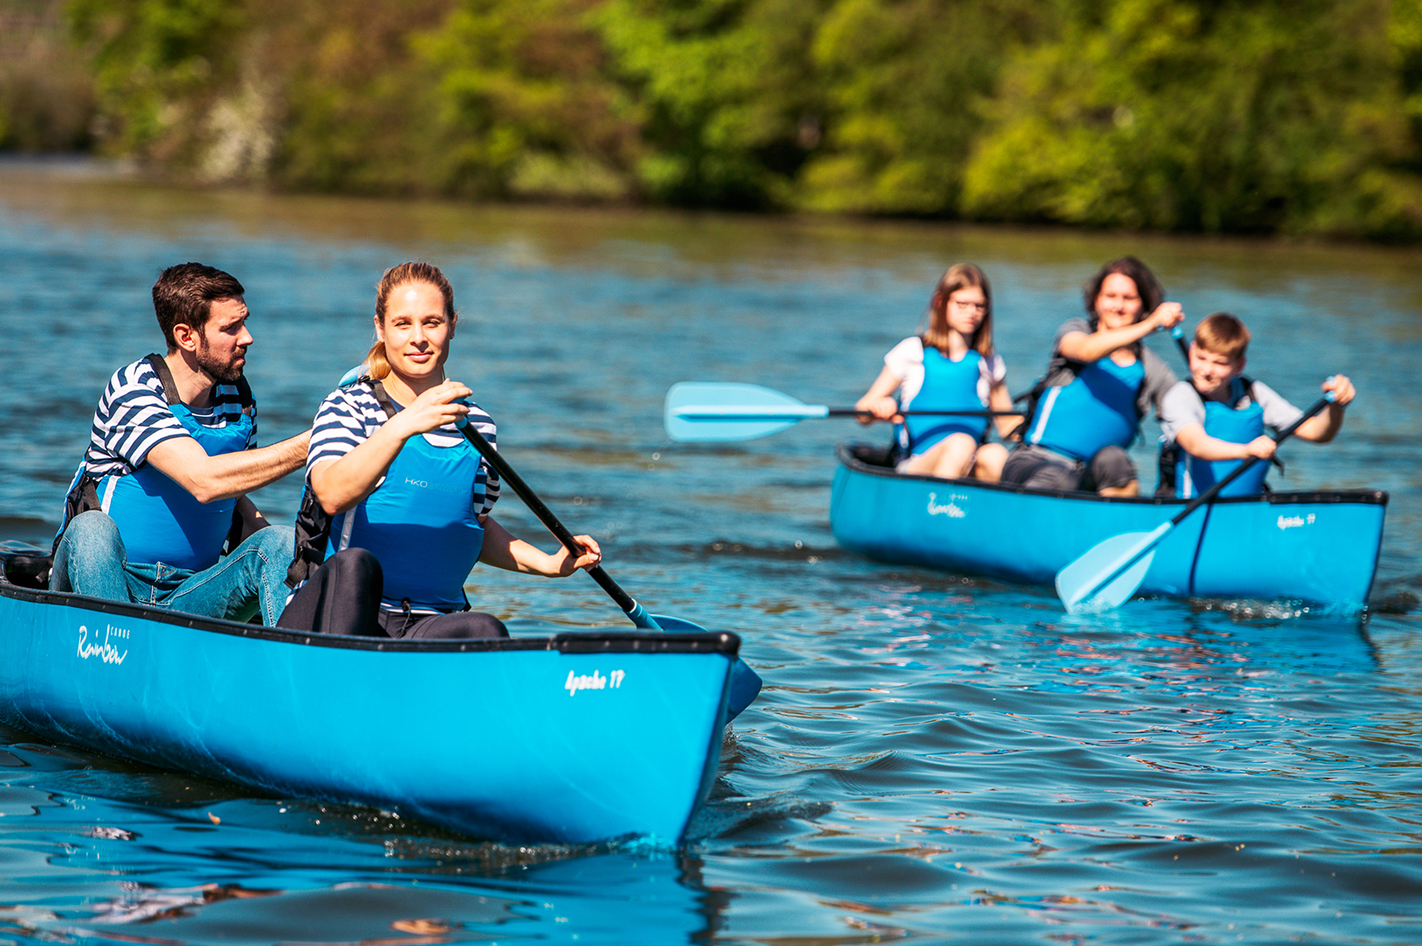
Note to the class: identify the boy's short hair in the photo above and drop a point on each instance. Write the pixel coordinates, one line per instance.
(1222, 334)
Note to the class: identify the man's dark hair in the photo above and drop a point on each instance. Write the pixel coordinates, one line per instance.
(184, 295)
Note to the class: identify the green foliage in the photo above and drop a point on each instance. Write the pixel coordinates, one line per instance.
(46, 93)
(523, 103)
(721, 90)
(355, 97)
(1269, 116)
(907, 80)
(1192, 115)
(157, 64)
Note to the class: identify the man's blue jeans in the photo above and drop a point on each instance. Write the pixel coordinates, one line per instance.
(91, 560)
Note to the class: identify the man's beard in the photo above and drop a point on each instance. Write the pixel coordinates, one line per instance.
(219, 371)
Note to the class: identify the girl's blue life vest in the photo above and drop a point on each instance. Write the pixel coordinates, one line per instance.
(159, 520)
(1238, 424)
(947, 386)
(1096, 409)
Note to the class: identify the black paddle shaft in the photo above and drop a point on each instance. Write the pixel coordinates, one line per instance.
(1183, 345)
(545, 515)
(851, 412)
(1238, 471)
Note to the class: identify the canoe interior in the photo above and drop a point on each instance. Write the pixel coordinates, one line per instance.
(1314, 546)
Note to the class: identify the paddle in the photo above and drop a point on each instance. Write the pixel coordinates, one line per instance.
(706, 411)
(745, 683)
(1178, 334)
(1110, 572)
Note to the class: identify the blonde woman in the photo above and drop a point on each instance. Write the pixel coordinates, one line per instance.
(402, 498)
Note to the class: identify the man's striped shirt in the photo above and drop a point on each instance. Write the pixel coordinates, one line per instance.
(133, 417)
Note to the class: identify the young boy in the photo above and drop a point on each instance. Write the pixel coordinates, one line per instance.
(1218, 417)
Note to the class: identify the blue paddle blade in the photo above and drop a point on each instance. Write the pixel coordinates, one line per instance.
(705, 411)
(352, 376)
(677, 625)
(745, 687)
(1110, 572)
(745, 682)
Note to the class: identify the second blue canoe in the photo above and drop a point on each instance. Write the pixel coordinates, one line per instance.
(1319, 547)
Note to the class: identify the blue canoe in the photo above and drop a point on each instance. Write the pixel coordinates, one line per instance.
(574, 737)
(1319, 547)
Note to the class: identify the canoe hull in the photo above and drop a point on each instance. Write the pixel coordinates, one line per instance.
(1320, 547)
(571, 738)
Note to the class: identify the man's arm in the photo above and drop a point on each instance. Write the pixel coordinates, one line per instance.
(229, 474)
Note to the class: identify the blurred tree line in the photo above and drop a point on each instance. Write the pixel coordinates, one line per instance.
(1271, 116)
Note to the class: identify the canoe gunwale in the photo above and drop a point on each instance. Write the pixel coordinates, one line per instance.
(852, 455)
(578, 642)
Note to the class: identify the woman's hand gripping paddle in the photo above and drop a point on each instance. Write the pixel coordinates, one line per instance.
(744, 684)
(1110, 572)
(707, 411)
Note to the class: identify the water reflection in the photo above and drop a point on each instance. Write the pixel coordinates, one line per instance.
(932, 757)
(334, 887)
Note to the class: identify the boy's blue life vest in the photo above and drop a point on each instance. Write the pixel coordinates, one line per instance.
(1096, 409)
(1237, 424)
(421, 523)
(159, 520)
(947, 386)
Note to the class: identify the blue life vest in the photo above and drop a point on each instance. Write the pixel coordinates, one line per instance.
(1096, 409)
(158, 519)
(1234, 425)
(421, 523)
(161, 521)
(947, 386)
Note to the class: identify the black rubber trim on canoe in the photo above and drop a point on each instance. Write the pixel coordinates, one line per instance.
(620, 642)
(598, 641)
(871, 459)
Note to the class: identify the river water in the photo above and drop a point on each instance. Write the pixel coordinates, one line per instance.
(933, 758)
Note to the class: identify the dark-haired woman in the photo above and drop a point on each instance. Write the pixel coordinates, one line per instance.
(407, 496)
(951, 367)
(1099, 384)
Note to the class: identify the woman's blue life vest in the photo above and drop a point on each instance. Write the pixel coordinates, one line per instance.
(1096, 409)
(1239, 424)
(947, 386)
(421, 522)
(159, 520)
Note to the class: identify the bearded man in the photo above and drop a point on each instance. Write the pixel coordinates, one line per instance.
(172, 453)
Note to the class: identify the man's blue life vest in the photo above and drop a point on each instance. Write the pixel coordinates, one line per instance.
(421, 523)
(1239, 424)
(1096, 409)
(159, 520)
(947, 386)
